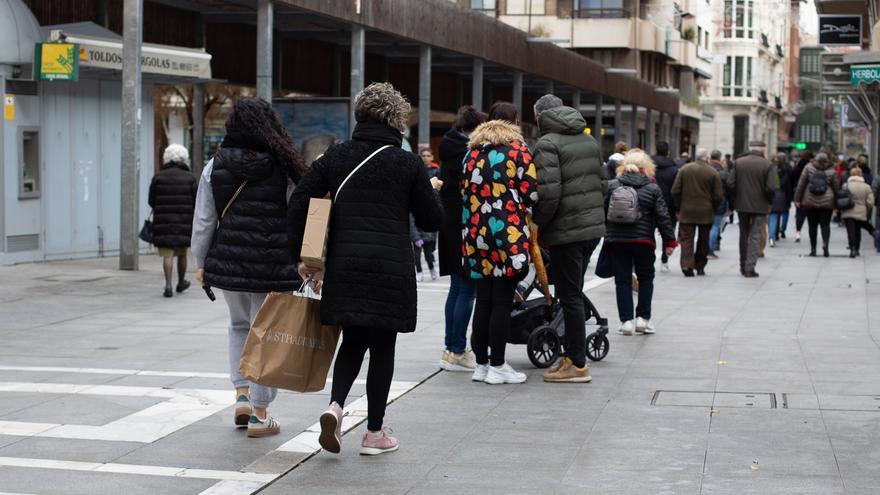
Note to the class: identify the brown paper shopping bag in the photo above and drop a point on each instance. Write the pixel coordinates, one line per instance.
(314, 245)
(287, 346)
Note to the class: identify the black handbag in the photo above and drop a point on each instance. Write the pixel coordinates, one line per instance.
(844, 199)
(603, 264)
(146, 233)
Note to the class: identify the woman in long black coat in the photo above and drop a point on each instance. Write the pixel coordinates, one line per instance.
(173, 197)
(460, 300)
(369, 286)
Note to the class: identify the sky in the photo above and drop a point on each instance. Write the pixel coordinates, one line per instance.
(809, 18)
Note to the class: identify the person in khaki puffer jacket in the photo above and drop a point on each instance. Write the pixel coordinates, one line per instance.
(818, 206)
(856, 218)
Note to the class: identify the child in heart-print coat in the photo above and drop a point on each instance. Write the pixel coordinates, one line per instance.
(499, 183)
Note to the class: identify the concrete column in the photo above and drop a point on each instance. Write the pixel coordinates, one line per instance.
(517, 91)
(649, 131)
(477, 85)
(576, 100)
(198, 135)
(549, 88)
(676, 132)
(597, 122)
(132, 39)
(102, 17)
(5, 72)
(617, 118)
(634, 127)
(200, 34)
(264, 49)
(661, 120)
(425, 95)
(358, 41)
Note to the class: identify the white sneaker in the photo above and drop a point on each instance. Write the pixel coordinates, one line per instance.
(664, 267)
(420, 277)
(504, 374)
(480, 372)
(644, 326)
(772, 243)
(434, 274)
(626, 328)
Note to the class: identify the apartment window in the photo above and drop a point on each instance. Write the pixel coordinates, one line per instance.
(738, 18)
(601, 9)
(525, 7)
(740, 84)
(483, 4)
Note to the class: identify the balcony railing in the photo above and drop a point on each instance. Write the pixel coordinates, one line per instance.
(762, 97)
(765, 41)
(778, 101)
(603, 13)
(779, 51)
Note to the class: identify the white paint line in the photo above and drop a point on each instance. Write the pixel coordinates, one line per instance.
(137, 469)
(596, 282)
(228, 487)
(10, 493)
(114, 371)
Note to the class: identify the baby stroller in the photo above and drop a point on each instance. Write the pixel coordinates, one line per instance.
(538, 323)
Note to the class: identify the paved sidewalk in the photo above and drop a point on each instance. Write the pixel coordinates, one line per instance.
(750, 386)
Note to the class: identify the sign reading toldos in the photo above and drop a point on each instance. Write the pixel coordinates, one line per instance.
(154, 60)
(56, 62)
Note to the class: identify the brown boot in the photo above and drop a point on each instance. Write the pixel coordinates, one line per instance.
(568, 373)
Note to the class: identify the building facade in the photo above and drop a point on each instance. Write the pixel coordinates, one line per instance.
(662, 42)
(749, 98)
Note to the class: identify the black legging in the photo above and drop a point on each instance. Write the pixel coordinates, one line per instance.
(819, 217)
(800, 215)
(355, 342)
(854, 232)
(492, 319)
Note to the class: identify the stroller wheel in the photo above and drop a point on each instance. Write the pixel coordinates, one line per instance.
(543, 346)
(597, 346)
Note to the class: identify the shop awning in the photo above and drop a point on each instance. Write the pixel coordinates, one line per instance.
(101, 48)
(700, 72)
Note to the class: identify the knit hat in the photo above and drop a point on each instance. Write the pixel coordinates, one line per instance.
(175, 153)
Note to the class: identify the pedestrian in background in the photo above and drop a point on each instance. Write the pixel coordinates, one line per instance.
(631, 246)
(369, 286)
(665, 177)
(779, 209)
(721, 211)
(698, 194)
(239, 236)
(800, 214)
(620, 148)
(499, 184)
(460, 299)
(571, 217)
(752, 184)
(816, 191)
(172, 197)
(424, 243)
(856, 218)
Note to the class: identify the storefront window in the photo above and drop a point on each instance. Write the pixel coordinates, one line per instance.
(29, 164)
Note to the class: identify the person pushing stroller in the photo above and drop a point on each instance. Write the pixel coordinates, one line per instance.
(571, 217)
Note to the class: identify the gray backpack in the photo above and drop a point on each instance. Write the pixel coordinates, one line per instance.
(623, 206)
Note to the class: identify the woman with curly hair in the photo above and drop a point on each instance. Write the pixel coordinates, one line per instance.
(369, 285)
(630, 246)
(498, 185)
(239, 236)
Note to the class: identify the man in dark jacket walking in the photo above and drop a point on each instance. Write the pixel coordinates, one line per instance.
(571, 217)
(715, 233)
(698, 194)
(752, 185)
(665, 176)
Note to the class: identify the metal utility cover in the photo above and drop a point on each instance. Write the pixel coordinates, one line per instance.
(674, 398)
(745, 400)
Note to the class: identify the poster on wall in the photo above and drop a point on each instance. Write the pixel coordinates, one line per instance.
(314, 123)
(840, 30)
(56, 62)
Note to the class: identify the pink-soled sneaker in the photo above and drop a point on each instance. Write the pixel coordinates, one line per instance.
(378, 442)
(331, 429)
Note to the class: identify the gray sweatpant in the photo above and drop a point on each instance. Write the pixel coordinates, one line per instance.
(243, 307)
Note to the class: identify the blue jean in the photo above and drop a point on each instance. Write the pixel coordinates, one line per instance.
(715, 232)
(777, 223)
(459, 306)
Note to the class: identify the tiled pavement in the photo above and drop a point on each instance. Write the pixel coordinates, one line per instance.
(750, 386)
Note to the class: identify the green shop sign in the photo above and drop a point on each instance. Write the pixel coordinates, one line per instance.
(864, 74)
(56, 62)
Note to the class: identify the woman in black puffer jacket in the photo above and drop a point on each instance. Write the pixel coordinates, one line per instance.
(369, 284)
(632, 246)
(172, 197)
(460, 300)
(240, 236)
